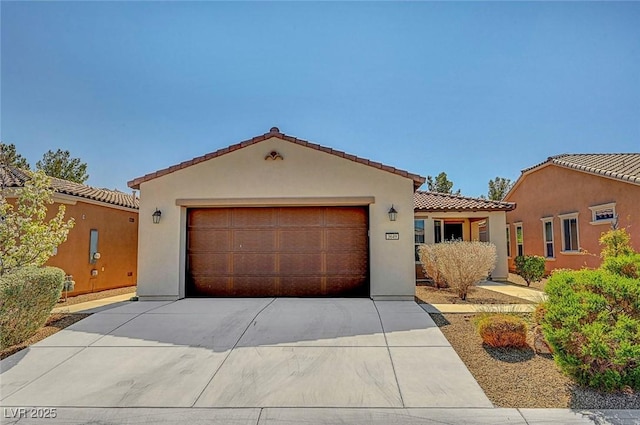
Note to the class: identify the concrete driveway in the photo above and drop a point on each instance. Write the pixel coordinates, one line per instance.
(282, 352)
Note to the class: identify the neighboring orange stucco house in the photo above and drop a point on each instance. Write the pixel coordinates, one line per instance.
(106, 222)
(567, 202)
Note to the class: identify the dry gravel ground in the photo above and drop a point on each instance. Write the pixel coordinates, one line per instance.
(95, 296)
(518, 281)
(520, 378)
(430, 295)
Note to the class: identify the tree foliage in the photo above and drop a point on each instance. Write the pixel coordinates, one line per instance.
(10, 156)
(530, 267)
(498, 188)
(60, 164)
(27, 238)
(441, 184)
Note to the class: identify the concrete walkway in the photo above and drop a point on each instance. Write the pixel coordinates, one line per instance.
(95, 305)
(514, 290)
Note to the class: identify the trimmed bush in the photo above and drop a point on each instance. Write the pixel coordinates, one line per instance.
(460, 264)
(592, 322)
(530, 267)
(627, 265)
(427, 255)
(27, 296)
(502, 330)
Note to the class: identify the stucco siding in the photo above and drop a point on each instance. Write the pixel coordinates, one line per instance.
(302, 173)
(117, 244)
(552, 191)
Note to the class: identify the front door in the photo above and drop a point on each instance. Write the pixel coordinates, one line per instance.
(452, 231)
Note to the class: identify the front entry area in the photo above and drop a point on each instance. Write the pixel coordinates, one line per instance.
(277, 251)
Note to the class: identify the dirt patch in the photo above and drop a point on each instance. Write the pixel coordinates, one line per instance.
(520, 378)
(515, 279)
(55, 323)
(94, 296)
(430, 295)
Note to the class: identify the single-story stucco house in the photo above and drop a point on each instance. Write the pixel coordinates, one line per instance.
(101, 250)
(279, 216)
(276, 216)
(568, 201)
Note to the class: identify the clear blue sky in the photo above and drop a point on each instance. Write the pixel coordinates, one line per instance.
(474, 89)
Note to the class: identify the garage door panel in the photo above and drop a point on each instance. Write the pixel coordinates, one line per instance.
(253, 286)
(209, 263)
(211, 240)
(212, 217)
(300, 264)
(301, 217)
(290, 286)
(346, 286)
(347, 240)
(255, 240)
(253, 217)
(346, 263)
(298, 240)
(346, 217)
(216, 286)
(258, 264)
(279, 251)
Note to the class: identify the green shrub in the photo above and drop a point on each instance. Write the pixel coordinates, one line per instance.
(592, 322)
(627, 265)
(530, 267)
(27, 296)
(460, 264)
(502, 330)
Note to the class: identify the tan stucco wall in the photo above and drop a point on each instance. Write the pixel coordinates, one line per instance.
(245, 174)
(117, 244)
(495, 228)
(554, 190)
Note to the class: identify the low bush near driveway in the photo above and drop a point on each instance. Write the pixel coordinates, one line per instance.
(502, 330)
(592, 322)
(460, 264)
(27, 297)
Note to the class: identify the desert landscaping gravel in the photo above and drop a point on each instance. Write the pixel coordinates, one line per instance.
(430, 295)
(520, 378)
(94, 296)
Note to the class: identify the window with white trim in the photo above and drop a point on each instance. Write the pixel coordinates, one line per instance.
(508, 241)
(603, 214)
(547, 236)
(418, 226)
(519, 239)
(570, 236)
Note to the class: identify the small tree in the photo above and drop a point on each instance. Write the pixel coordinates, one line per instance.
(441, 184)
(462, 264)
(26, 237)
(615, 242)
(60, 164)
(530, 267)
(10, 156)
(498, 188)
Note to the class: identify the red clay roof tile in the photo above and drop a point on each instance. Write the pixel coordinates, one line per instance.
(442, 202)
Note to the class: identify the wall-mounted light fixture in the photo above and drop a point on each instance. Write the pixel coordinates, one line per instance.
(393, 214)
(156, 216)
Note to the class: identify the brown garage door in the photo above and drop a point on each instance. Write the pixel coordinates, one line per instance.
(289, 251)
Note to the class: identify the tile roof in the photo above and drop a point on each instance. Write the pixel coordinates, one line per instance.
(619, 166)
(275, 132)
(15, 177)
(435, 201)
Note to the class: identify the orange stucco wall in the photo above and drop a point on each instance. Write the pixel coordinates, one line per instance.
(117, 244)
(554, 190)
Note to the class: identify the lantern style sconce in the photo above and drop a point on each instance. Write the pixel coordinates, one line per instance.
(156, 216)
(393, 214)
